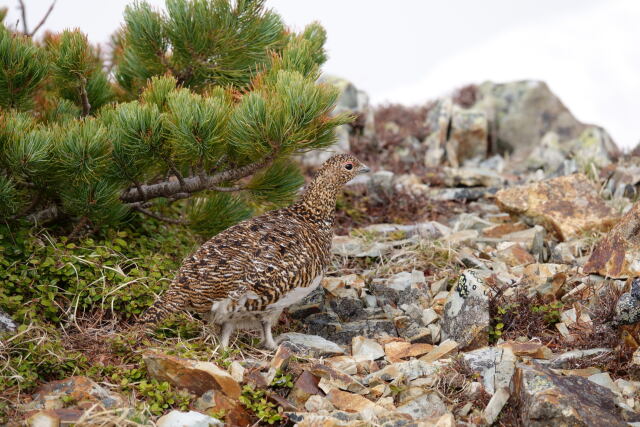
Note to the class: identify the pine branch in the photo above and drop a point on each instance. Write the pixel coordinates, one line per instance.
(43, 20)
(193, 184)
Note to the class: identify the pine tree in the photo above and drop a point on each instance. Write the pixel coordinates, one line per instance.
(194, 117)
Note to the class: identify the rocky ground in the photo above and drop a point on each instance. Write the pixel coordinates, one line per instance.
(475, 280)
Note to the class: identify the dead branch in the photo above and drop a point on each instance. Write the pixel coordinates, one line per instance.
(43, 20)
(23, 12)
(193, 184)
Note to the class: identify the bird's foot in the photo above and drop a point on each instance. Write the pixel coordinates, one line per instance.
(269, 344)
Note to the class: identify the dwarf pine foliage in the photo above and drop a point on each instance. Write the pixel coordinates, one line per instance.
(192, 117)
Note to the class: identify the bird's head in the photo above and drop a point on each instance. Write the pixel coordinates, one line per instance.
(342, 168)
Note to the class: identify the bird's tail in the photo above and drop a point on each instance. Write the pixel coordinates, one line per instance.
(169, 303)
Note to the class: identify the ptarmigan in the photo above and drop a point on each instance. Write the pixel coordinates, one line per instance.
(246, 275)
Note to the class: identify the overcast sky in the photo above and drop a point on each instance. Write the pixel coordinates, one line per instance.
(588, 51)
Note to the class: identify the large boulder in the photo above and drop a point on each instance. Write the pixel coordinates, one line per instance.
(550, 399)
(566, 206)
(466, 312)
(524, 111)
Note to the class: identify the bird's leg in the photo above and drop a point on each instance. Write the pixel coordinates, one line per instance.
(267, 338)
(227, 330)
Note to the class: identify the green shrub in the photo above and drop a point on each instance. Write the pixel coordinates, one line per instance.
(51, 278)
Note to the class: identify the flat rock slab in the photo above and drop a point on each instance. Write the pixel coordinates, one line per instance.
(197, 377)
(187, 419)
(549, 399)
(566, 206)
(466, 312)
(618, 253)
(314, 345)
(81, 390)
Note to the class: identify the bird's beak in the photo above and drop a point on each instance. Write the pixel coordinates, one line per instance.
(364, 169)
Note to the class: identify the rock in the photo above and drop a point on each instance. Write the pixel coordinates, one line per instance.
(402, 370)
(318, 403)
(438, 121)
(366, 349)
(349, 286)
(197, 377)
(594, 146)
(426, 406)
(468, 135)
(7, 325)
(495, 405)
(187, 419)
(350, 402)
(330, 326)
(53, 418)
(550, 399)
(524, 111)
(466, 312)
(83, 391)
(306, 385)
(564, 359)
(617, 255)
(354, 247)
(214, 402)
(567, 206)
(513, 254)
(604, 379)
(335, 379)
(398, 350)
(548, 154)
(627, 310)
(496, 365)
(471, 177)
(533, 349)
(445, 348)
(540, 278)
(312, 345)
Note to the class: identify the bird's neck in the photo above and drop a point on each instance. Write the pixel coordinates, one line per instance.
(319, 200)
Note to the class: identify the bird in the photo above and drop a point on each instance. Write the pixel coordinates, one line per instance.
(627, 310)
(245, 276)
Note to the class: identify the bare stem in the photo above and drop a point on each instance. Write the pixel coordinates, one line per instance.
(159, 217)
(86, 107)
(23, 11)
(43, 20)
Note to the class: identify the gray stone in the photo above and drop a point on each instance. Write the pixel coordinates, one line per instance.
(466, 312)
(524, 111)
(550, 399)
(426, 406)
(187, 419)
(496, 365)
(468, 135)
(438, 121)
(409, 371)
(314, 344)
(7, 325)
(330, 326)
(563, 360)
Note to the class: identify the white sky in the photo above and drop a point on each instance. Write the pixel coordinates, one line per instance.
(410, 51)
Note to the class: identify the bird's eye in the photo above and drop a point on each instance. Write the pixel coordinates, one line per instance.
(348, 166)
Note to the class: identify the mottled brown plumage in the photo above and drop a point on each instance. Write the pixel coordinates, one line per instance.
(246, 275)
